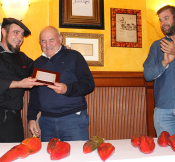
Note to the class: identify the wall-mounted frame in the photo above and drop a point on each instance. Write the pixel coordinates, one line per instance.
(126, 29)
(84, 14)
(89, 45)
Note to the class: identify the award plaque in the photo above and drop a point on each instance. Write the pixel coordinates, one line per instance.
(46, 76)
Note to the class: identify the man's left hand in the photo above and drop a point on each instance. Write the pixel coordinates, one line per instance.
(59, 88)
(167, 47)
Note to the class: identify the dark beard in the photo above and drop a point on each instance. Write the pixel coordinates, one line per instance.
(11, 48)
(171, 30)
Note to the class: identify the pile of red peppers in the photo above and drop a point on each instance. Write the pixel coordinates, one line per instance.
(60, 149)
(27, 147)
(105, 150)
(146, 144)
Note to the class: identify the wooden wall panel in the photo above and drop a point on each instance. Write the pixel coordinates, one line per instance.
(121, 105)
(117, 112)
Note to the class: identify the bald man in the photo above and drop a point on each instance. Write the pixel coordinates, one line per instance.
(63, 106)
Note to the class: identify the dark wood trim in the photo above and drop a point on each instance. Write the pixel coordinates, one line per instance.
(118, 79)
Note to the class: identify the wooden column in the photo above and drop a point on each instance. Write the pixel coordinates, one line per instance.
(150, 108)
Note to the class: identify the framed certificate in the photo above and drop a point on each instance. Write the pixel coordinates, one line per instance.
(82, 14)
(46, 76)
(126, 28)
(90, 45)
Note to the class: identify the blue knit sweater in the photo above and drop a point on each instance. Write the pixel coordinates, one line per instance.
(75, 74)
(164, 78)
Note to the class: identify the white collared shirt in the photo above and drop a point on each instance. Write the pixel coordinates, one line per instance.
(43, 54)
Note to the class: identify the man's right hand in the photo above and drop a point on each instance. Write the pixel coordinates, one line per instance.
(167, 59)
(25, 83)
(33, 128)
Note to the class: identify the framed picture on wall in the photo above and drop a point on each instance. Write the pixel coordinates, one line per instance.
(84, 14)
(89, 45)
(126, 29)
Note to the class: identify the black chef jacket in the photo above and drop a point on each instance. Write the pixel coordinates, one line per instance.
(13, 67)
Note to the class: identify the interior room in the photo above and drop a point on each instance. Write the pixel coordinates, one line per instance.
(122, 103)
(120, 80)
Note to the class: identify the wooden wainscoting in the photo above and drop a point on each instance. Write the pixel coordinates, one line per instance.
(121, 105)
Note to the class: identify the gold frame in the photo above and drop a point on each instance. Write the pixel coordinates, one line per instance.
(87, 36)
(67, 20)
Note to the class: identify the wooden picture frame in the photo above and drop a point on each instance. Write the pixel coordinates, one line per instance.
(126, 29)
(83, 42)
(87, 14)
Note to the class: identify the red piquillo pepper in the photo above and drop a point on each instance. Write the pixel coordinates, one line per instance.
(33, 144)
(92, 144)
(17, 152)
(147, 144)
(58, 149)
(105, 150)
(135, 140)
(51, 144)
(163, 139)
(171, 141)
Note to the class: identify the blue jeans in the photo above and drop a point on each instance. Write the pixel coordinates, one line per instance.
(164, 120)
(72, 127)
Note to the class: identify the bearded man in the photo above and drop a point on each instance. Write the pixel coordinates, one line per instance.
(160, 68)
(15, 69)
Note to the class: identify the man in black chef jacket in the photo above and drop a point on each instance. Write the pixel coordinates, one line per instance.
(15, 69)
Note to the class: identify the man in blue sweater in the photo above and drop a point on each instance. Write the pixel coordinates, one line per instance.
(160, 68)
(63, 106)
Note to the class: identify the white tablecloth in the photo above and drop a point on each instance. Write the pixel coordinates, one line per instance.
(124, 152)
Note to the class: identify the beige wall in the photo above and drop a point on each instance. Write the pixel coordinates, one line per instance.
(115, 58)
(46, 12)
